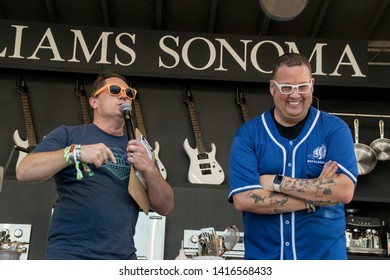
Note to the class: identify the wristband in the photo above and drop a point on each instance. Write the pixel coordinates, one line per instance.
(72, 155)
(310, 207)
(69, 154)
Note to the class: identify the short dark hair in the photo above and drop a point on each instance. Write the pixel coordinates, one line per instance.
(101, 79)
(290, 60)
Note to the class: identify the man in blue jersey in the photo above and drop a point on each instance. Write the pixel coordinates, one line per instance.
(95, 216)
(291, 171)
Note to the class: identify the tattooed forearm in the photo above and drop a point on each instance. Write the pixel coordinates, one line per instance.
(325, 202)
(274, 200)
(321, 188)
(256, 198)
(279, 204)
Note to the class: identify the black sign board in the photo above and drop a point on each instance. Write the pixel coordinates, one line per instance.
(167, 54)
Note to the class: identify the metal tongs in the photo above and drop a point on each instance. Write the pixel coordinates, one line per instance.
(209, 243)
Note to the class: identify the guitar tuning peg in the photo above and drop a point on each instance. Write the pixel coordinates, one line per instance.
(21, 84)
(76, 86)
(81, 87)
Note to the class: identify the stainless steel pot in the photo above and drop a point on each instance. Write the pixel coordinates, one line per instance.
(9, 255)
(365, 155)
(381, 146)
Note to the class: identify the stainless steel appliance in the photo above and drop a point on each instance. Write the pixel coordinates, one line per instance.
(149, 236)
(388, 242)
(365, 235)
(14, 241)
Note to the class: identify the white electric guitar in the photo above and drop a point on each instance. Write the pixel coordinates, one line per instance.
(204, 168)
(141, 127)
(31, 141)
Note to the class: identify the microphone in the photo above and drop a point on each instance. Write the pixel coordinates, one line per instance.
(126, 111)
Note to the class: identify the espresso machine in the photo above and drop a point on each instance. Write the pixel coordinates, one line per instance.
(366, 235)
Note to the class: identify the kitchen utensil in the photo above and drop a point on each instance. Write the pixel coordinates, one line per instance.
(365, 155)
(381, 146)
(231, 236)
(9, 255)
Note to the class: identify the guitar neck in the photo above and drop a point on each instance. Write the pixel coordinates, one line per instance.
(245, 112)
(138, 115)
(196, 128)
(32, 141)
(84, 109)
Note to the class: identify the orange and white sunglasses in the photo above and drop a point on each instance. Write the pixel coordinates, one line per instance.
(115, 90)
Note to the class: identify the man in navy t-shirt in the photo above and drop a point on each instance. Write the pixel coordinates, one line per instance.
(94, 216)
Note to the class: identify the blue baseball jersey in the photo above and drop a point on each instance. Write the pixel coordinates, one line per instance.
(259, 149)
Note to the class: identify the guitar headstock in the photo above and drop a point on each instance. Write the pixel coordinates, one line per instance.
(187, 95)
(240, 99)
(79, 88)
(21, 85)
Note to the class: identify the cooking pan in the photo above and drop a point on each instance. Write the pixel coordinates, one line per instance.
(365, 155)
(381, 146)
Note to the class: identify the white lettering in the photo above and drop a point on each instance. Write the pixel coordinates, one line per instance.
(80, 38)
(292, 47)
(225, 45)
(18, 41)
(317, 51)
(195, 54)
(125, 48)
(168, 50)
(255, 51)
(352, 61)
(2, 54)
(212, 53)
(52, 46)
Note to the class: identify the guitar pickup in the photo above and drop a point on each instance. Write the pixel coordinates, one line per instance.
(204, 165)
(203, 156)
(22, 149)
(206, 172)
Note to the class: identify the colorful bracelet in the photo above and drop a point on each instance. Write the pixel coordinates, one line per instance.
(310, 207)
(72, 155)
(68, 154)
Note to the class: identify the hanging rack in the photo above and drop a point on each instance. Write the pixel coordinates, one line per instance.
(360, 115)
(351, 114)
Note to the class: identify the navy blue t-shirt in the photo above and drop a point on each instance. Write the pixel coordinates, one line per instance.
(95, 217)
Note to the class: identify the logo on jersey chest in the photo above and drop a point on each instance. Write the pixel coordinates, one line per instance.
(318, 154)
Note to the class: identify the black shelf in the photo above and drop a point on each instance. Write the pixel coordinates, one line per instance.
(367, 257)
(376, 199)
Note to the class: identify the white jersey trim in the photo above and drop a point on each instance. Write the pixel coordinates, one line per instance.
(245, 188)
